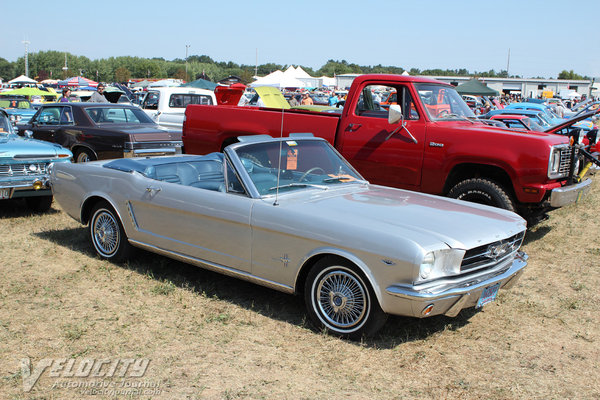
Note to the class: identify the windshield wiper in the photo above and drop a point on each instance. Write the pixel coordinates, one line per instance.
(462, 117)
(343, 179)
(298, 184)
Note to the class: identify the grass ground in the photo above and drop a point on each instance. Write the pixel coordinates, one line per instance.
(210, 336)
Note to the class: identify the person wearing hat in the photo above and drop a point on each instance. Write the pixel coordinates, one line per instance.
(98, 96)
(66, 92)
(306, 100)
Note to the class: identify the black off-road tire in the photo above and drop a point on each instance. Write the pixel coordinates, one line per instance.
(335, 288)
(39, 204)
(107, 234)
(483, 191)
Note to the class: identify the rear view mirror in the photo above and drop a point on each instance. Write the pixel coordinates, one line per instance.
(395, 114)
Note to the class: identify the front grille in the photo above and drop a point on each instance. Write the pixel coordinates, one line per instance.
(489, 255)
(565, 160)
(23, 169)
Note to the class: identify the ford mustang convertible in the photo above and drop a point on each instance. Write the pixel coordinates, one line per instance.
(293, 215)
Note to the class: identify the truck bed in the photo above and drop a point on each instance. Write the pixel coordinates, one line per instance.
(212, 126)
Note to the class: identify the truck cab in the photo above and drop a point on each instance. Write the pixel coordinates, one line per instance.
(166, 105)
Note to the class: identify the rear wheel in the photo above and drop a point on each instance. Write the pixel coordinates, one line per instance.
(84, 155)
(483, 191)
(339, 299)
(107, 234)
(39, 203)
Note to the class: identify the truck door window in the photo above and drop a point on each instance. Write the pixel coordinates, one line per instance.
(375, 100)
(182, 100)
(151, 101)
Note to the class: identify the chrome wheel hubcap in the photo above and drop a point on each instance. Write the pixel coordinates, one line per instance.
(83, 157)
(106, 233)
(342, 299)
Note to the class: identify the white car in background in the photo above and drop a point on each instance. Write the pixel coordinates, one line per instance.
(166, 105)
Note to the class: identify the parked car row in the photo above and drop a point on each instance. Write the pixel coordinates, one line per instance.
(290, 213)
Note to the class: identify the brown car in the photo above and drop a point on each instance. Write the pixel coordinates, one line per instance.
(95, 131)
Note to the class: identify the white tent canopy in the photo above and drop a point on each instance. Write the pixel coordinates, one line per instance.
(22, 80)
(280, 80)
(166, 83)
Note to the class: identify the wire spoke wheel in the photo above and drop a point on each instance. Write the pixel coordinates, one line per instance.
(105, 233)
(341, 299)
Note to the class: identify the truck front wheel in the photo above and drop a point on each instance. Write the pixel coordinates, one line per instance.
(483, 191)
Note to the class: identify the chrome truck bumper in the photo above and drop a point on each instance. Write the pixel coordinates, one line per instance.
(569, 194)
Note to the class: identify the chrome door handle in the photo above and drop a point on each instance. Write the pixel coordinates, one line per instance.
(151, 189)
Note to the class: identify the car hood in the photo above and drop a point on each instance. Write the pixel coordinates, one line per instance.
(17, 146)
(146, 132)
(425, 219)
(20, 111)
(571, 121)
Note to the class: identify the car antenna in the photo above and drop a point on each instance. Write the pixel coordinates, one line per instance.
(279, 165)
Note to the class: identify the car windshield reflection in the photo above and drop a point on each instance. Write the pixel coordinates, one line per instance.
(306, 164)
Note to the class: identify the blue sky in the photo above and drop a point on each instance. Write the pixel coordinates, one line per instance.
(544, 36)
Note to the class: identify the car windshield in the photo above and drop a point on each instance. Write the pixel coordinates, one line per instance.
(118, 115)
(12, 103)
(443, 102)
(302, 164)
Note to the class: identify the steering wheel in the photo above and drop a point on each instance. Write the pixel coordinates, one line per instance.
(313, 169)
(443, 113)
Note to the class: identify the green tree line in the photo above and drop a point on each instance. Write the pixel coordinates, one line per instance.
(51, 64)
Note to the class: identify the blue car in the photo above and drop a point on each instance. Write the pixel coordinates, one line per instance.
(19, 109)
(553, 118)
(24, 165)
(537, 116)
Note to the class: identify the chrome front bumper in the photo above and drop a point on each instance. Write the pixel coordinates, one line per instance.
(451, 299)
(146, 149)
(9, 188)
(569, 194)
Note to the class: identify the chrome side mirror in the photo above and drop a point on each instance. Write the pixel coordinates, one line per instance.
(395, 114)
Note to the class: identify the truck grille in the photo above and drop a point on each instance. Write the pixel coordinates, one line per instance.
(24, 169)
(565, 160)
(489, 255)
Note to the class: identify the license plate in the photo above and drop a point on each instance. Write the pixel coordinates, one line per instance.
(489, 294)
(5, 194)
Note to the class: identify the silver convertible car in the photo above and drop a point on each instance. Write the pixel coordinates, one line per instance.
(293, 215)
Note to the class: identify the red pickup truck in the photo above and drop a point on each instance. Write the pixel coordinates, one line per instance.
(429, 141)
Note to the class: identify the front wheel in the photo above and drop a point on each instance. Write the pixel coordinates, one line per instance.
(341, 301)
(84, 155)
(107, 234)
(483, 191)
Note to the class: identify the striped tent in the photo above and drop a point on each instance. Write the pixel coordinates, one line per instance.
(78, 81)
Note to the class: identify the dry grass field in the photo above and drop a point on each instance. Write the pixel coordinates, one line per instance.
(213, 337)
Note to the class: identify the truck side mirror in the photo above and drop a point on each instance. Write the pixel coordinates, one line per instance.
(395, 114)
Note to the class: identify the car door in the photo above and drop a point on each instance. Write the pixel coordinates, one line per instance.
(47, 123)
(384, 153)
(204, 224)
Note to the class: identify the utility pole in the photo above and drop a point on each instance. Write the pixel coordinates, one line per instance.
(508, 63)
(187, 46)
(65, 68)
(26, 43)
